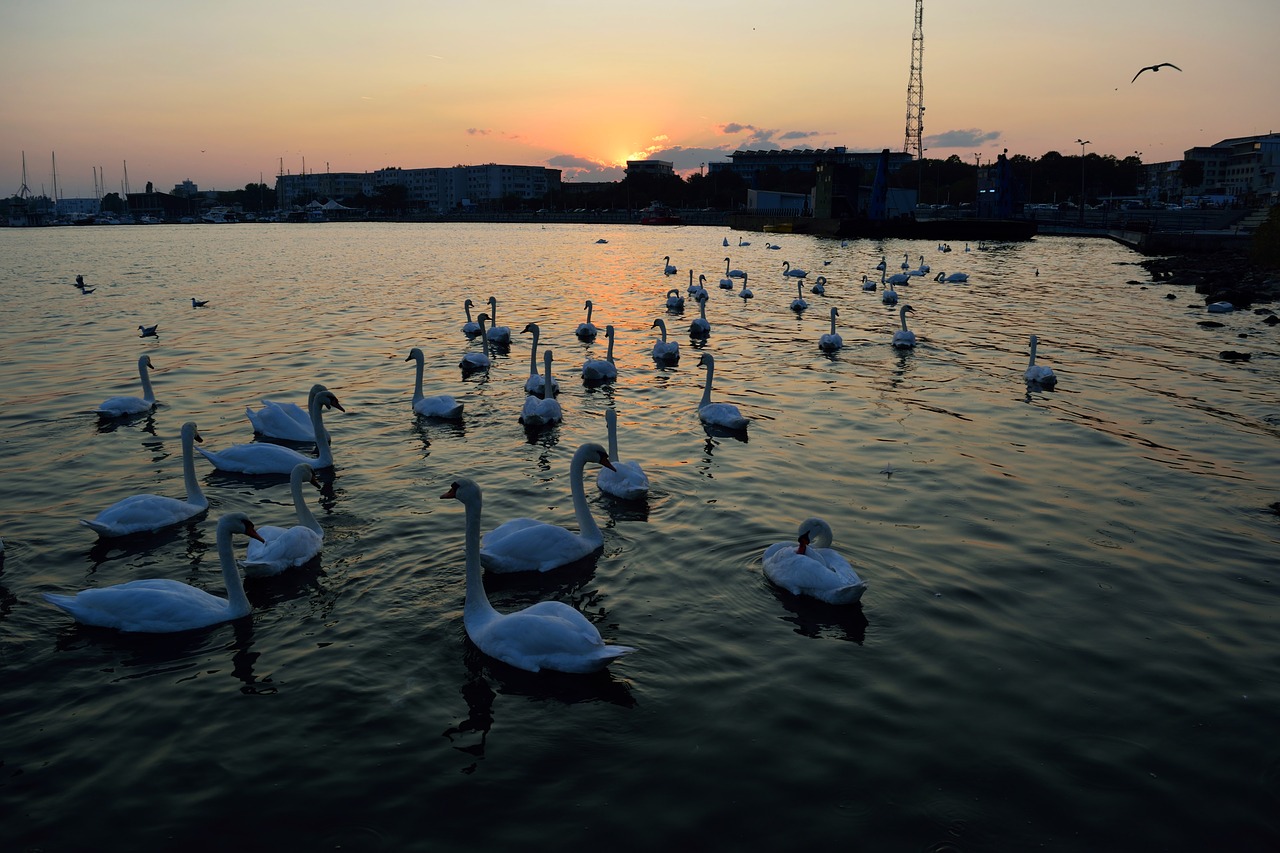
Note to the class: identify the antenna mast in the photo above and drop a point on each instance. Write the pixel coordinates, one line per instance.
(915, 88)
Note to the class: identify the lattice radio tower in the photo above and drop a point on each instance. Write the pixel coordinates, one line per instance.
(915, 88)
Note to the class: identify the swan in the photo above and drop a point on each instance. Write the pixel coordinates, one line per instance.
(789, 272)
(1038, 374)
(264, 458)
(734, 273)
(596, 370)
(470, 328)
(147, 513)
(923, 268)
(723, 415)
(742, 242)
(149, 331)
(498, 335)
(882, 266)
(700, 327)
(542, 411)
(285, 421)
(282, 548)
(114, 407)
(726, 284)
(904, 338)
(527, 545)
(899, 278)
(954, 278)
(160, 605)
(699, 290)
(436, 406)
(726, 242)
(831, 341)
(819, 286)
(867, 283)
(745, 292)
(669, 268)
(675, 302)
(888, 295)
(814, 568)
(665, 352)
(587, 330)
(547, 635)
(198, 303)
(625, 480)
(906, 262)
(799, 304)
(536, 383)
(473, 362)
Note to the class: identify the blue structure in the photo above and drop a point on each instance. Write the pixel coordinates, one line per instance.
(878, 211)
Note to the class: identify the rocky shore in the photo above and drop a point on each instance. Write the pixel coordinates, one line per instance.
(1227, 276)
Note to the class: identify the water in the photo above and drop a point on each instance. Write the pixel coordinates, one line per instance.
(1068, 641)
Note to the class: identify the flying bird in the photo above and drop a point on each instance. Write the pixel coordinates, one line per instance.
(1154, 68)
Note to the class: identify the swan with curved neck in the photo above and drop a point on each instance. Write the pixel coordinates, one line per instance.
(904, 338)
(587, 330)
(115, 407)
(812, 567)
(867, 283)
(160, 605)
(436, 406)
(667, 267)
(788, 271)
(147, 513)
(542, 411)
(819, 286)
(528, 545)
(1038, 374)
(476, 361)
(536, 384)
(625, 480)
(547, 635)
(745, 293)
(723, 415)
(470, 328)
(664, 351)
(263, 458)
(286, 547)
(831, 341)
(285, 421)
(732, 273)
(497, 335)
(596, 370)
(675, 302)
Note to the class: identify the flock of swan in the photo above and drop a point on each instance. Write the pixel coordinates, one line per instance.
(548, 635)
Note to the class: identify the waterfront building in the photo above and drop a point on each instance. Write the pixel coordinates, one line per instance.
(437, 189)
(1245, 168)
(749, 164)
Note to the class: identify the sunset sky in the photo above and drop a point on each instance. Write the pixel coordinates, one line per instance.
(229, 92)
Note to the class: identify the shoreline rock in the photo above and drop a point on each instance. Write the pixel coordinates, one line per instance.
(1225, 276)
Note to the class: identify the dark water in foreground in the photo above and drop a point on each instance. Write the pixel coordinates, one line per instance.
(1068, 642)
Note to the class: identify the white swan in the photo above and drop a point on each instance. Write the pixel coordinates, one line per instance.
(470, 328)
(542, 411)
(473, 362)
(819, 286)
(587, 330)
(904, 338)
(923, 268)
(701, 326)
(675, 302)
(264, 458)
(734, 273)
(813, 568)
(138, 513)
(788, 271)
(882, 266)
(954, 278)
(527, 545)
(159, 605)
(497, 335)
(665, 352)
(888, 295)
(595, 370)
(799, 303)
(437, 405)
(906, 262)
(742, 242)
(745, 293)
(283, 548)
(115, 407)
(831, 341)
(868, 284)
(724, 415)
(699, 290)
(668, 268)
(547, 635)
(285, 421)
(1038, 374)
(726, 242)
(625, 480)
(536, 383)
(899, 278)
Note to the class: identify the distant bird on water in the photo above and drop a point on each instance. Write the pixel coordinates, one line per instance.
(148, 331)
(1154, 68)
(198, 303)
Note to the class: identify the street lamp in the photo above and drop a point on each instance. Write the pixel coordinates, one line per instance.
(1083, 143)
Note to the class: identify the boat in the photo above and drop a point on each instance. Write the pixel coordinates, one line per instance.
(659, 214)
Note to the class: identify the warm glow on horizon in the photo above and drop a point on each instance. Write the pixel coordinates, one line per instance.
(222, 96)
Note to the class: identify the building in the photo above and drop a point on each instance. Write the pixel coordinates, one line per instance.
(650, 167)
(1244, 168)
(435, 189)
(749, 165)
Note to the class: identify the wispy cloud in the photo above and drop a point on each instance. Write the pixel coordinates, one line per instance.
(477, 131)
(961, 138)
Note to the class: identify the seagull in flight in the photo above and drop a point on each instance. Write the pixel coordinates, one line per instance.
(1154, 68)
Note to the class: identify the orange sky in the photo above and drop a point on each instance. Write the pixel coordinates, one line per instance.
(224, 93)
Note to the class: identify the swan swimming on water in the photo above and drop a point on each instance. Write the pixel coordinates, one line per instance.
(723, 415)
(831, 341)
(264, 458)
(625, 480)
(745, 293)
(536, 383)
(498, 335)
(284, 421)
(819, 286)
(904, 338)
(668, 268)
(470, 328)
(789, 272)
(1037, 374)
(283, 548)
(675, 302)
(734, 273)
(888, 295)
(664, 351)
(160, 605)
(542, 411)
(701, 326)
(586, 330)
(148, 513)
(115, 407)
(528, 545)
(812, 567)
(597, 370)
(547, 635)
(473, 362)
(799, 304)
(436, 406)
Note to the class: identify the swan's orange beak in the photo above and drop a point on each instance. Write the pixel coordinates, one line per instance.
(804, 543)
(604, 460)
(252, 532)
(452, 493)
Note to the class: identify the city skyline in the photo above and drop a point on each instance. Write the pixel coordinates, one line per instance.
(230, 94)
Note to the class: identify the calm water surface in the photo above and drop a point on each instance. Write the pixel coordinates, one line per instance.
(1068, 642)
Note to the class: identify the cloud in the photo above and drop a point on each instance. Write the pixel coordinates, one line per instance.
(572, 161)
(575, 168)
(765, 138)
(476, 131)
(686, 160)
(961, 138)
(800, 134)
